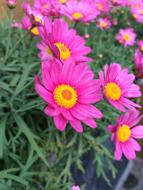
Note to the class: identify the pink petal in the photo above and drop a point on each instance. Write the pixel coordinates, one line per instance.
(128, 150)
(77, 126)
(118, 151)
(111, 128)
(51, 111)
(137, 132)
(60, 122)
(90, 122)
(135, 144)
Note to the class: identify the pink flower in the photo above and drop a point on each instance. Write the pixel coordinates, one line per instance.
(60, 41)
(137, 10)
(26, 23)
(103, 23)
(126, 37)
(140, 45)
(118, 87)
(75, 188)
(47, 7)
(124, 133)
(102, 6)
(69, 90)
(79, 11)
(138, 61)
(11, 3)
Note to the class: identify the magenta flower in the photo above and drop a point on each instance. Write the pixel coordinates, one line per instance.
(126, 37)
(102, 6)
(137, 10)
(138, 61)
(11, 3)
(69, 90)
(124, 133)
(75, 188)
(82, 11)
(26, 23)
(60, 41)
(103, 23)
(118, 87)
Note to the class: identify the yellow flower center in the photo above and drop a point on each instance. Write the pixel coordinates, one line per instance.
(141, 48)
(65, 96)
(63, 1)
(48, 51)
(126, 37)
(99, 6)
(77, 15)
(64, 50)
(35, 31)
(38, 19)
(123, 133)
(103, 24)
(112, 91)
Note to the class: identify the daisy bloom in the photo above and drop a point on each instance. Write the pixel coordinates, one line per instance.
(138, 61)
(103, 23)
(124, 134)
(60, 41)
(69, 91)
(79, 11)
(137, 10)
(26, 23)
(102, 6)
(75, 188)
(118, 87)
(126, 37)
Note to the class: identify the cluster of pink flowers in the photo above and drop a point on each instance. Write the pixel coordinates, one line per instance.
(68, 85)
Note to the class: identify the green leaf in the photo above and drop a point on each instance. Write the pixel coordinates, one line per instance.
(30, 136)
(2, 136)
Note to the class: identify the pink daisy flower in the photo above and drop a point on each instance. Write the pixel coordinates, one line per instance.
(60, 41)
(126, 37)
(124, 133)
(103, 23)
(137, 10)
(102, 6)
(75, 188)
(69, 90)
(79, 11)
(138, 61)
(118, 87)
(47, 7)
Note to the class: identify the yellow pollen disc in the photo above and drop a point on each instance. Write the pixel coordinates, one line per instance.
(126, 37)
(48, 51)
(103, 24)
(64, 51)
(62, 1)
(77, 15)
(99, 6)
(65, 96)
(112, 91)
(123, 133)
(35, 31)
(141, 48)
(38, 19)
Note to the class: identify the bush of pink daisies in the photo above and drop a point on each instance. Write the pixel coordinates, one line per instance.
(71, 73)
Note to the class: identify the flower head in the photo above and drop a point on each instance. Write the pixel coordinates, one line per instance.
(138, 61)
(75, 188)
(126, 37)
(61, 42)
(118, 87)
(11, 3)
(124, 133)
(69, 90)
(103, 23)
(81, 11)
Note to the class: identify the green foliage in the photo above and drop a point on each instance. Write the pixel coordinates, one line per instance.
(33, 154)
